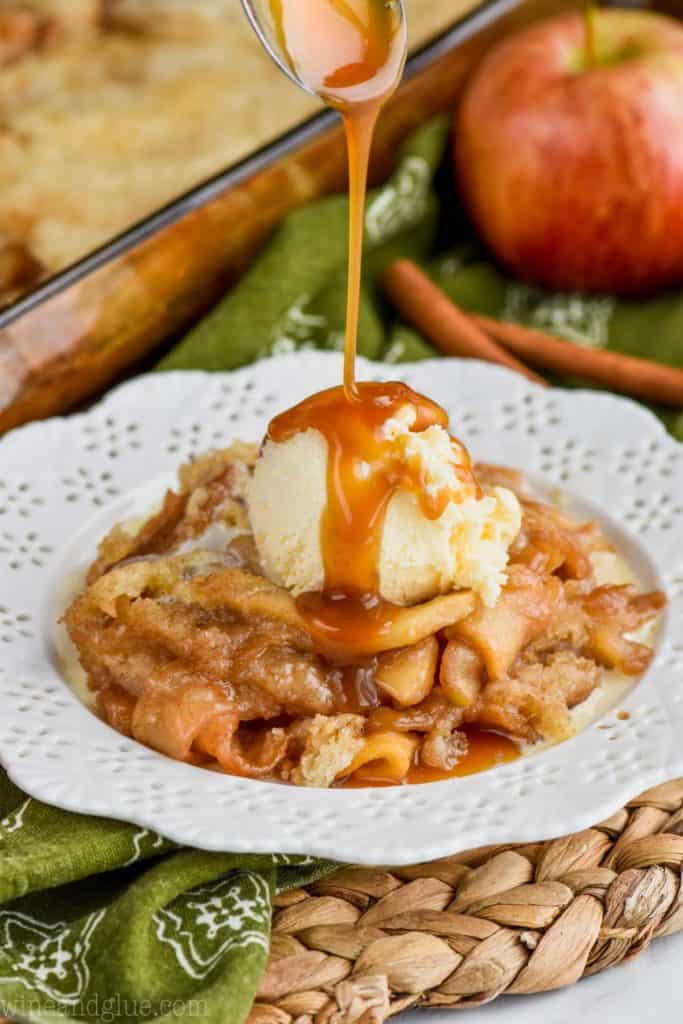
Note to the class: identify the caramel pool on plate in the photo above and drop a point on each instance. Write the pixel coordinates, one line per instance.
(485, 750)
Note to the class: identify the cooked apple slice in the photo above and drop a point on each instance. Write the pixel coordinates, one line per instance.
(461, 674)
(614, 611)
(408, 675)
(390, 753)
(523, 610)
(399, 627)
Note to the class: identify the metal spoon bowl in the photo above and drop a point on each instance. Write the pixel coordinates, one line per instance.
(260, 16)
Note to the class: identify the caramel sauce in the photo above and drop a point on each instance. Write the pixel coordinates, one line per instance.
(351, 53)
(360, 128)
(485, 750)
(345, 623)
(364, 471)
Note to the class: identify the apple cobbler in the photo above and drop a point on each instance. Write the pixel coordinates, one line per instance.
(191, 649)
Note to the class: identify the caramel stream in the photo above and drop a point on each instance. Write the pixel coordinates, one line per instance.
(351, 53)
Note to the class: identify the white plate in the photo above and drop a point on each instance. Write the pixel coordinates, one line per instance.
(64, 481)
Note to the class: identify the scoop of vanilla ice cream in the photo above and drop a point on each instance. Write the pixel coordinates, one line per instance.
(465, 547)
(286, 497)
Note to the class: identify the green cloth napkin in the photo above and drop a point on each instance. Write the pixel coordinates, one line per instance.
(102, 921)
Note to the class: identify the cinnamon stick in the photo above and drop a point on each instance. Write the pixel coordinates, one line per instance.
(474, 336)
(640, 378)
(423, 304)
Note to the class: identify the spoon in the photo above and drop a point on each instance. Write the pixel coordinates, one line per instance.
(266, 17)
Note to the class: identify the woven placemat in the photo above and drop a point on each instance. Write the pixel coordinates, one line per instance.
(367, 943)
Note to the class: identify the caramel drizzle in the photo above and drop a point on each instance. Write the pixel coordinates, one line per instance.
(364, 470)
(351, 52)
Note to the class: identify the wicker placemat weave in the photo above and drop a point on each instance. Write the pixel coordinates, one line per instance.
(367, 943)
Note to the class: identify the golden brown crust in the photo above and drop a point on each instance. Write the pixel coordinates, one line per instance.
(332, 743)
(211, 489)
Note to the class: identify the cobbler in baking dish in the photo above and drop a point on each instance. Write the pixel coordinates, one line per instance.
(201, 637)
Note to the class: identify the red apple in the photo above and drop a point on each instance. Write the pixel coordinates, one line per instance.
(573, 171)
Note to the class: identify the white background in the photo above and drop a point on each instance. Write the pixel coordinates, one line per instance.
(645, 991)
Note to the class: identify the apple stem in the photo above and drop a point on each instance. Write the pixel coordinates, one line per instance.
(590, 12)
